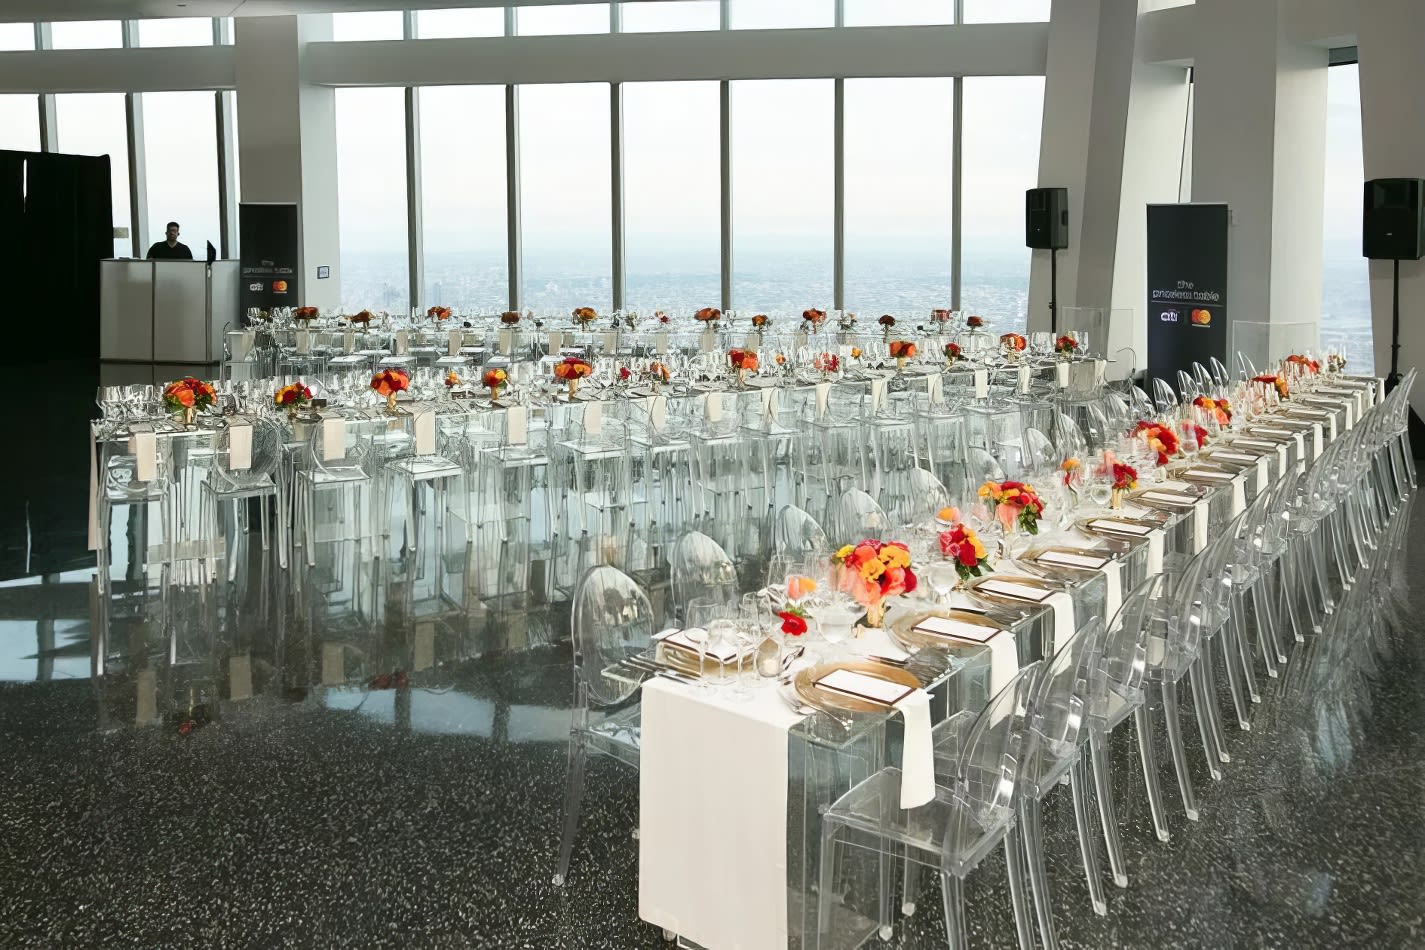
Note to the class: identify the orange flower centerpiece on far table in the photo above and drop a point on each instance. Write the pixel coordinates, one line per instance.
(585, 315)
(388, 382)
(1013, 343)
(974, 323)
(708, 315)
(952, 353)
(494, 379)
(815, 317)
(305, 314)
(1219, 408)
(510, 317)
(187, 396)
(902, 350)
(571, 371)
(291, 396)
(659, 373)
(1307, 364)
(1016, 504)
(760, 321)
(872, 571)
(364, 318)
(439, 313)
(744, 361)
(1066, 345)
(1275, 380)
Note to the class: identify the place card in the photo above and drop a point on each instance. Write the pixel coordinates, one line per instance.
(1069, 559)
(1205, 473)
(864, 686)
(1025, 377)
(823, 394)
(593, 418)
(712, 407)
(516, 425)
(1120, 527)
(1061, 374)
(982, 384)
(402, 341)
(303, 340)
(144, 449)
(935, 389)
(453, 342)
(1017, 591)
(956, 629)
(333, 438)
(555, 341)
(239, 444)
(657, 412)
(680, 639)
(878, 394)
(660, 342)
(609, 341)
(507, 342)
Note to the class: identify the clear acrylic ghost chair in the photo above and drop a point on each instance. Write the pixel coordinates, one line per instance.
(1069, 441)
(1099, 432)
(1188, 386)
(611, 620)
(924, 496)
(334, 498)
(1037, 455)
(1139, 405)
(858, 516)
(978, 766)
(701, 569)
(1245, 364)
(797, 533)
(144, 502)
(226, 484)
(1164, 399)
(1220, 376)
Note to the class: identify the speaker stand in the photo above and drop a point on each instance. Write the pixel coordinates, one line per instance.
(1054, 291)
(1393, 379)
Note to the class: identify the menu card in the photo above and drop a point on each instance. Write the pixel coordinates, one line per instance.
(865, 686)
(516, 425)
(957, 629)
(1069, 559)
(1234, 456)
(1167, 498)
(1120, 527)
(1207, 473)
(1017, 591)
(680, 639)
(333, 438)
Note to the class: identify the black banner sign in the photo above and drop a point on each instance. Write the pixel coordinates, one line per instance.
(268, 235)
(1187, 287)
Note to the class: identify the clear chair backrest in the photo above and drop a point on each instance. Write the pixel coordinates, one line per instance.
(1244, 362)
(1057, 709)
(1120, 659)
(858, 516)
(1219, 372)
(923, 499)
(797, 532)
(265, 451)
(1202, 377)
(612, 619)
(701, 569)
(1098, 429)
(1037, 452)
(992, 756)
(1069, 440)
(1164, 399)
(1117, 409)
(1188, 386)
(1140, 406)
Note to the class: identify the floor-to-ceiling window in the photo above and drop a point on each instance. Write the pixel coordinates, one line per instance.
(999, 162)
(1345, 280)
(782, 201)
(371, 194)
(672, 196)
(565, 197)
(670, 15)
(463, 196)
(899, 218)
(94, 124)
(181, 164)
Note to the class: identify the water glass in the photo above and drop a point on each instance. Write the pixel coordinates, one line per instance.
(943, 577)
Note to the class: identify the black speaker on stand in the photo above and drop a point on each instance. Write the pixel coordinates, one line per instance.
(1393, 229)
(1046, 227)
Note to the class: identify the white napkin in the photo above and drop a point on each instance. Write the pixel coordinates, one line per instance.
(823, 393)
(425, 431)
(982, 384)
(1113, 596)
(935, 390)
(1061, 374)
(1239, 494)
(1024, 378)
(1199, 525)
(657, 412)
(454, 342)
(712, 407)
(917, 751)
(516, 425)
(556, 342)
(304, 341)
(1318, 440)
(333, 438)
(1155, 552)
(348, 340)
(609, 341)
(769, 404)
(239, 444)
(707, 341)
(878, 394)
(144, 450)
(593, 418)
(507, 342)
(1063, 606)
(660, 343)
(402, 341)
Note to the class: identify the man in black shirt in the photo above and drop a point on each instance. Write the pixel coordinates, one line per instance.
(170, 250)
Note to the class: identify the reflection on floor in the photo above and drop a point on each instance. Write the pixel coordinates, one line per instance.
(262, 766)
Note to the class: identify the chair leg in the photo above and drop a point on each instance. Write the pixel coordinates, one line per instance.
(1088, 846)
(1103, 791)
(1018, 894)
(952, 889)
(1201, 712)
(1172, 718)
(1143, 726)
(573, 798)
(1031, 828)
(824, 882)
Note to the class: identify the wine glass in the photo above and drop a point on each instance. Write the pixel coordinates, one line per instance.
(722, 638)
(701, 613)
(943, 576)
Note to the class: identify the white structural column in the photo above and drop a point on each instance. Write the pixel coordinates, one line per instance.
(1086, 96)
(1259, 140)
(287, 145)
(1389, 38)
(1151, 174)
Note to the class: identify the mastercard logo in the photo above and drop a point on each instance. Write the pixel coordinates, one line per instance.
(280, 287)
(1201, 317)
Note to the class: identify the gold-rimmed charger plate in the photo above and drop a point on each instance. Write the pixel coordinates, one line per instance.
(903, 632)
(805, 684)
(1035, 552)
(999, 600)
(1087, 527)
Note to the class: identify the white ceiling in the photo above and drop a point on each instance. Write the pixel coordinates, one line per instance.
(22, 11)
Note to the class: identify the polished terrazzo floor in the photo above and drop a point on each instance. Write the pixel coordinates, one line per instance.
(429, 816)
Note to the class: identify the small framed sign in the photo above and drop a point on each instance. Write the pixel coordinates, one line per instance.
(323, 271)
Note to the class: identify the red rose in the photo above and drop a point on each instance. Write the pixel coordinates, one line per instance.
(792, 624)
(967, 555)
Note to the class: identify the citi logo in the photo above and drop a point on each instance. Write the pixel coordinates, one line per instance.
(255, 286)
(1168, 316)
